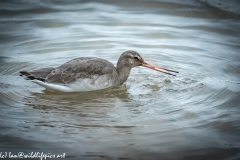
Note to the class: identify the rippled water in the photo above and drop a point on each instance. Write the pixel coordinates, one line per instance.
(152, 116)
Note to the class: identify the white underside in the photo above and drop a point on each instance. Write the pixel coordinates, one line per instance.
(82, 85)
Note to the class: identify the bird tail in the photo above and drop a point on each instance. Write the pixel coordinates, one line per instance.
(29, 76)
(24, 73)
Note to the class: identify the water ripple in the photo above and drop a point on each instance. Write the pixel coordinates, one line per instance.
(194, 115)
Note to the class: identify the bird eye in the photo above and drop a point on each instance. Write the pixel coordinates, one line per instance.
(136, 58)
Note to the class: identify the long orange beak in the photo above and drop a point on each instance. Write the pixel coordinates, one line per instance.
(157, 68)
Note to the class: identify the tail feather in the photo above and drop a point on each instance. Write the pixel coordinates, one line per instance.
(24, 73)
(28, 76)
(39, 74)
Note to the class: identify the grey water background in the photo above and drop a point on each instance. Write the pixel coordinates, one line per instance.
(193, 116)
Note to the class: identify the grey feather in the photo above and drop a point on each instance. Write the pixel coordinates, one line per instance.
(80, 68)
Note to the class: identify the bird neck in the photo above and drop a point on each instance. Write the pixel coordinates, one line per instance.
(123, 72)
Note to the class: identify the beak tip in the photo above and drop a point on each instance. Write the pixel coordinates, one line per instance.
(157, 68)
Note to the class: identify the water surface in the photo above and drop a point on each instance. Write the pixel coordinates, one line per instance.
(152, 116)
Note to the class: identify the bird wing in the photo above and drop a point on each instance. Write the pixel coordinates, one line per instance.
(80, 68)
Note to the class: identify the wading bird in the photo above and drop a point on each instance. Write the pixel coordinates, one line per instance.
(90, 73)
